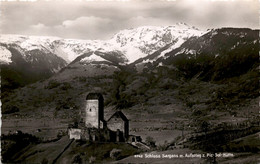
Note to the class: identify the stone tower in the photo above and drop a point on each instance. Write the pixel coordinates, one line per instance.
(94, 111)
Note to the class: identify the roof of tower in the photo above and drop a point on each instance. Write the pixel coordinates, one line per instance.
(92, 96)
(119, 114)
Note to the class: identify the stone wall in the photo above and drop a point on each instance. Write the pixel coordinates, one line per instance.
(75, 133)
(115, 123)
(92, 113)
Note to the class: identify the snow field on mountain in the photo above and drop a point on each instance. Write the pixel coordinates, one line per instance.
(132, 43)
(5, 55)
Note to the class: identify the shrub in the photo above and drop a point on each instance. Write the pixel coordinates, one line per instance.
(190, 104)
(77, 159)
(65, 104)
(60, 134)
(204, 126)
(44, 161)
(7, 109)
(163, 147)
(124, 103)
(66, 86)
(13, 143)
(150, 141)
(82, 79)
(52, 84)
(92, 159)
(115, 154)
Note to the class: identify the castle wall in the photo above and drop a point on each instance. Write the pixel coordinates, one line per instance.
(115, 123)
(75, 133)
(92, 113)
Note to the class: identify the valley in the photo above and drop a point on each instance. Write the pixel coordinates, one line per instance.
(180, 96)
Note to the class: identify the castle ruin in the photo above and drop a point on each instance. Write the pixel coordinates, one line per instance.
(93, 127)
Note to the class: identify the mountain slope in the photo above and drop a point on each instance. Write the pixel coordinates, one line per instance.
(148, 39)
(218, 48)
(19, 67)
(227, 57)
(219, 54)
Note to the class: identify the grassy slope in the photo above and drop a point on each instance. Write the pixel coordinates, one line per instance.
(36, 153)
(50, 151)
(160, 104)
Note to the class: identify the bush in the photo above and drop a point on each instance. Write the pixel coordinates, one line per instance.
(199, 112)
(7, 109)
(65, 104)
(204, 126)
(13, 143)
(66, 86)
(190, 104)
(60, 134)
(150, 141)
(44, 161)
(124, 103)
(82, 79)
(92, 159)
(77, 159)
(52, 84)
(163, 147)
(115, 154)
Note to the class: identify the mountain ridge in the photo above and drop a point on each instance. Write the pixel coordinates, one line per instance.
(133, 44)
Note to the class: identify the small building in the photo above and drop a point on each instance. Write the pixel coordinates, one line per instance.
(119, 123)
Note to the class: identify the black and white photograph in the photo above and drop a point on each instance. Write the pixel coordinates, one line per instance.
(130, 81)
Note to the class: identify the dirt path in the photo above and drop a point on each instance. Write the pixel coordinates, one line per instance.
(55, 160)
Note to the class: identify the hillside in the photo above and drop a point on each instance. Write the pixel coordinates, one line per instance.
(20, 67)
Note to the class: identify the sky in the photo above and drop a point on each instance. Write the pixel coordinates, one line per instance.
(103, 19)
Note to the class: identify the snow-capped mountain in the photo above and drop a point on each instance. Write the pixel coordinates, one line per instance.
(220, 53)
(40, 56)
(149, 39)
(33, 51)
(5, 55)
(130, 45)
(22, 63)
(89, 65)
(218, 42)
